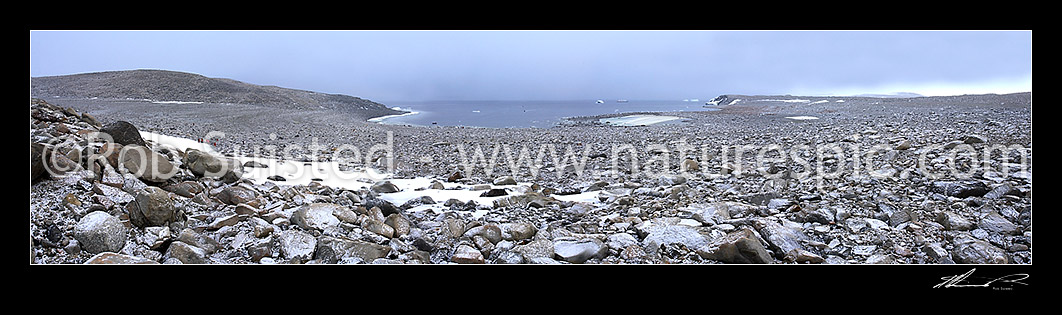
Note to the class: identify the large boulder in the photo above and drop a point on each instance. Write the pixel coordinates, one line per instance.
(974, 251)
(208, 165)
(37, 158)
(123, 132)
(465, 254)
(106, 258)
(186, 253)
(234, 195)
(384, 187)
(319, 216)
(99, 232)
(297, 246)
(782, 237)
(332, 250)
(738, 247)
(151, 206)
(146, 164)
(672, 235)
(517, 231)
(577, 251)
(504, 180)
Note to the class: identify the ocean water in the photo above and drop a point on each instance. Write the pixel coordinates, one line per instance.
(524, 114)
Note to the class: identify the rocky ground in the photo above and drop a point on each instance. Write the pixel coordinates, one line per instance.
(909, 183)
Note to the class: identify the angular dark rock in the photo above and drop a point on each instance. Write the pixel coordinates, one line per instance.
(494, 192)
(124, 133)
(152, 206)
(738, 247)
(960, 189)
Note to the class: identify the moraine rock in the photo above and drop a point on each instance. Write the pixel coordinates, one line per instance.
(112, 194)
(204, 164)
(620, 241)
(953, 221)
(960, 189)
(37, 158)
(466, 254)
(577, 251)
(937, 253)
(332, 250)
(146, 164)
(504, 180)
(712, 213)
(106, 258)
(738, 247)
(187, 189)
(319, 216)
(494, 192)
(152, 206)
(384, 187)
(972, 139)
(974, 251)
(99, 232)
(782, 237)
(255, 164)
(375, 226)
(671, 180)
(673, 234)
(517, 231)
(400, 225)
(531, 199)
(124, 133)
(994, 222)
(186, 253)
(297, 246)
(234, 195)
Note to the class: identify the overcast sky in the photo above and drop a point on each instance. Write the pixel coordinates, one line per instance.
(561, 65)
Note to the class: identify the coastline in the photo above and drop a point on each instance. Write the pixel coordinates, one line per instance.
(383, 119)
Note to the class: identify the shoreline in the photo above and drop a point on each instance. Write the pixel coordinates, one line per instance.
(383, 119)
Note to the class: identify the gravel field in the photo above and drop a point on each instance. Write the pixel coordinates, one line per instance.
(925, 180)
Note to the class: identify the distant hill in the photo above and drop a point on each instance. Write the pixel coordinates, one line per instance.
(891, 95)
(173, 86)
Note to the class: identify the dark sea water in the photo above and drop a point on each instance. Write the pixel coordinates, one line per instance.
(533, 114)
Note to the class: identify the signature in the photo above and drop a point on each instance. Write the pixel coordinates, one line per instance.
(960, 281)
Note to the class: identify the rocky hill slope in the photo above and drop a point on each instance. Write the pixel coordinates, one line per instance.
(172, 86)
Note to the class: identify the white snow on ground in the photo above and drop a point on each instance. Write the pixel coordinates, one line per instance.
(175, 102)
(788, 101)
(802, 117)
(302, 173)
(382, 118)
(176, 142)
(638, 120)
(735, 101)
(820, 102)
